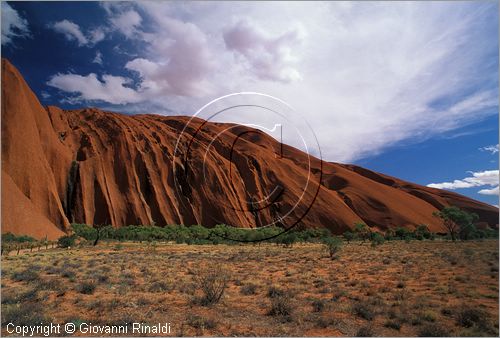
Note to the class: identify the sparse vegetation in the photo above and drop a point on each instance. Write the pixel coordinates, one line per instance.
(333, 245)
(392, 289)
(212, 282)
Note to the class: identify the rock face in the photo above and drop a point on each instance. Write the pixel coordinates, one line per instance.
(95, 167)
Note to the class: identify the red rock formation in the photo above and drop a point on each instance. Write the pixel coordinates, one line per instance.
(95, 167)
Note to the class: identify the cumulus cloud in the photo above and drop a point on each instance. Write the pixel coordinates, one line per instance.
(493, 191)
(71, 31)
(98, 58)
(372, 74)
(13, 25)
(97, 34)
(478, 179)
(181, 61)
(492, 149)
(111, 89)
(127, 22)
(269, 58)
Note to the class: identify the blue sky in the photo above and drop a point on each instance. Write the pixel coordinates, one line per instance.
(408, 89)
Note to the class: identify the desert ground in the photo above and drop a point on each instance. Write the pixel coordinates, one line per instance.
(395, 289)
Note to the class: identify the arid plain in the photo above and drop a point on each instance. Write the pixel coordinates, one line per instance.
(399, 288)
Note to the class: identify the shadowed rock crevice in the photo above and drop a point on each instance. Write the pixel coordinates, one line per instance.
(73, 182)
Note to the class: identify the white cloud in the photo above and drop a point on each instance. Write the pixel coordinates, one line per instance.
(372, 74)
(71, 31)
(13, 25)
(269, 58)
(98, 58)
(97, 34)
(111, 89)
(493, 191)
(478, 179)
(180, 62)
(492, 149)
(127, 22)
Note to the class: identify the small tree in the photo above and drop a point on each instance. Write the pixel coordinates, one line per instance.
(333, 245)
(422, 232)
(377, 239)
(389, 235)
(402, 233)
(66, 241)
(362, 231)
(288, 239)
(457, 222)
(349, 236)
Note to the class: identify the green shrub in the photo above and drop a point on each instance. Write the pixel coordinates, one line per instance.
(288, 239)
(349, 236)
(422, 232)
(9, 237)
(66, 241)
(333, 245)
(377, 239)
(403, 233)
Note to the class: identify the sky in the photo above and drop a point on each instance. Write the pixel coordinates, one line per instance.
(409, 89)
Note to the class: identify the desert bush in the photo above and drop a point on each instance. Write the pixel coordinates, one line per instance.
(364, 311)
(349, 236)
(9, 237)
(50, 284)
(433, 330)
(389, 235)
(377, 239)
(288, 239)
(86, 287)
(403, 233)
(68, 273)
(199, 322)
(275, 292)
(393, 324)
(281, 307)
(102, 278)
(422, 232)
(365, 331)
(333, 245)
(471, 316)
(24, 314)
(249, 289)
(28, 275)
(66, 241)
(362, 231)
(158, 286)
(318, 305)
(212, 282)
